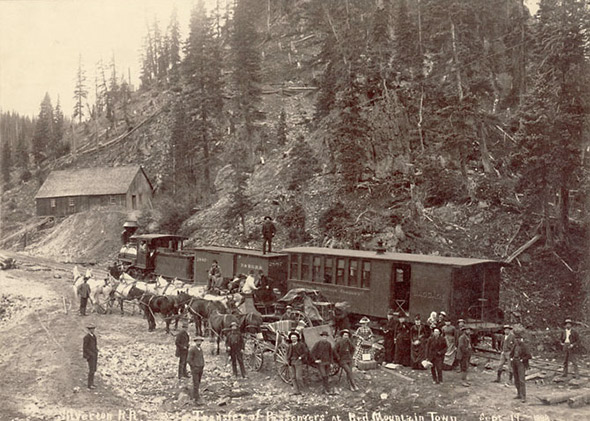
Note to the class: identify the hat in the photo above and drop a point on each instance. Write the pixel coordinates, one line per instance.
(568, 320)
(365, 319)
(442, 313)
(461, 320)
(343, 331)
(233, 324)
(289, 308)
(324, 333)
(293, 333)
(417, 317)
(130, 224)
(198, 338)
(90, 327)
(507, 327)
(267, 218)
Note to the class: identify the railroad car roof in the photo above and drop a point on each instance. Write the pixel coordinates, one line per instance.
(237, 250)
(88, 182)
(157, 236)
(400, 257)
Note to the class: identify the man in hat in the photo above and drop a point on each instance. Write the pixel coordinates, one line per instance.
(570, 339)
(464, 351)
(390, 332)
(344, 352)
(436, 347)
(182, 345)
(268, 232)
(297, 354)
(197, 363)
(90, 354)
(519, 357)
(323, 355)
(442, 316)
(84, 294)
(458, 332)
(507, 346)
(214, 275)
(234, 344)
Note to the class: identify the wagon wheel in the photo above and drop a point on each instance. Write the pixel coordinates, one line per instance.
(334, 369)
(254, 354)
(282, 364)
(300, 316)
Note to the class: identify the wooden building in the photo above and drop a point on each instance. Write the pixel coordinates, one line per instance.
(70, 191)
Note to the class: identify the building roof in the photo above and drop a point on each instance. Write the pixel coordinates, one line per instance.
(399, 257)
(89, 182)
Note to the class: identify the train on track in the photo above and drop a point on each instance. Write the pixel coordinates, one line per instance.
(370, 281)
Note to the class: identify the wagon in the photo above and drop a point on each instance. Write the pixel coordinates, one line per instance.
(274, 338)
(309, 306)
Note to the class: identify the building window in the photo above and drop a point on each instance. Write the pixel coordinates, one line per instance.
(113, 200)
(52, 203)
(340, 265)
(305, 267)
(295, 266)
(353, 273)
(366, 275)
(71, 201)
(133, 202)
(328, 270)
(316, 275)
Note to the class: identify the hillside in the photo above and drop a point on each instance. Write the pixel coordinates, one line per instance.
(432, 192)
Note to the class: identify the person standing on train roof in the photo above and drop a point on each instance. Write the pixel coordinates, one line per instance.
(390, 332)
(182, 344)
(268, 232)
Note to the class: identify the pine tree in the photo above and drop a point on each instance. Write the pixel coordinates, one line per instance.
(174, 39)
(44, 131)
(80, 92)
(59, 148)
(6, 162)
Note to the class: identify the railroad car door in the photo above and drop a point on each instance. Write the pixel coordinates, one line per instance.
(399, 287)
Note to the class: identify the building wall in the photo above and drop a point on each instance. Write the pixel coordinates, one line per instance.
(63, 206)
(139, 194)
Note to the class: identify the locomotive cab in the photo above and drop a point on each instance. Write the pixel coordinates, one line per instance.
(143, 250)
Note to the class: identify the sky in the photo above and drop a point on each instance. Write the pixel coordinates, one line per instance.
(41, 41)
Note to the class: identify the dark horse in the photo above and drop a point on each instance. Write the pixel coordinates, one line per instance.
(168, 307)
(264, 296)
(200, 309)
(220, 323)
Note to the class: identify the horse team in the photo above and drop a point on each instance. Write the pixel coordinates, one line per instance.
(172, 300)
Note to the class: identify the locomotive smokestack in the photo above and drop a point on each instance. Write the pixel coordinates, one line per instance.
(380, 248)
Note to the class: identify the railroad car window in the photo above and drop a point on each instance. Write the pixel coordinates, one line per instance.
(305, 259)
(399, 275)
(328, 270)
(295, 266)
(366, 275)
(340, 264)
(316, 275)
(353, 273)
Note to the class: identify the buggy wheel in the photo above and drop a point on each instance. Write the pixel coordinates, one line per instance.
(282, 363)
(253, 354)
(300, 316)
(334, 369)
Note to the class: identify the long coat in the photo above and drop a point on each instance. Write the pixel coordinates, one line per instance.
(436, 348)
(464, 348)
(182, 342)
(89, 347)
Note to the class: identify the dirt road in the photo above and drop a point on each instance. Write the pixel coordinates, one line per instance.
(44, 375)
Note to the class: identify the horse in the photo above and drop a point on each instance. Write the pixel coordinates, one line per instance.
(168, 307)
(249, 321)
(122, 291)
(200, 309)
(99, 289)
(220, 323)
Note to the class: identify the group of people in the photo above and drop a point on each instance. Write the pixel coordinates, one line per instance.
(322, 355)
(216, 282)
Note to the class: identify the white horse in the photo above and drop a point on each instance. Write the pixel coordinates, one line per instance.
(100, 290)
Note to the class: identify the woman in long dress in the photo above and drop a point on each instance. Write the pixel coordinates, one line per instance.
(419, 333)
(448, 331)
(403, 344)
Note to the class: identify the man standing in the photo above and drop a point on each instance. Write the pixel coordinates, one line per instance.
(90, 354)
(464, 352)
(507, 346)
(343, 352)
(570, 340)
(268, 232)
(296, 355)
(324, 357)
(84, 293)
(197, 364)
(235, 347)
(182, 345)
(390, 332)
(435, 352)
(519, 357)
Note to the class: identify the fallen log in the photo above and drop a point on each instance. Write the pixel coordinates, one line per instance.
(534, 375)
(557, 398)
(401, 376)
(579, 401)
(521, 249)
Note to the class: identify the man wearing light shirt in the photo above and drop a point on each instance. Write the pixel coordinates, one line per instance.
(570, 340)
(250, 284)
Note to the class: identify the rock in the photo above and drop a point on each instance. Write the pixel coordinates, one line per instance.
(224, 401)
(483, 204)
(183, 399)
(76, 389)
(383, 396)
